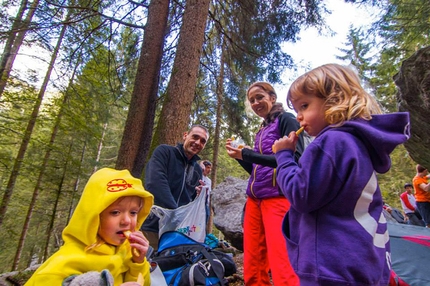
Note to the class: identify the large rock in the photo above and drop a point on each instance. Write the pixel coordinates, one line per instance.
(228, 200)
(413, 82)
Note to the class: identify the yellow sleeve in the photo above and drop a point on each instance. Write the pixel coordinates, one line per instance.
(135, 268)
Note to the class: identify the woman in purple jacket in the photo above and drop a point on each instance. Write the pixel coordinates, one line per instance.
(264, 244)
(336, 232)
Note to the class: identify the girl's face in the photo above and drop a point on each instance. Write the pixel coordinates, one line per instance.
(120, 216)
(261, 101)
(310, 113)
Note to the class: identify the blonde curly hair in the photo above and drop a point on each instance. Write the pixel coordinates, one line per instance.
(345, 98)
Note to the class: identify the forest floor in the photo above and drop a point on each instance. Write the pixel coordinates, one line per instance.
(237, 279)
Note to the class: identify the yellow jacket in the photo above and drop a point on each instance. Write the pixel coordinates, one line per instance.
(103, 188)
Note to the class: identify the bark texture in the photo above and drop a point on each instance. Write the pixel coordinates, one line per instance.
(138, 129)
(413, 82)
(175, 114)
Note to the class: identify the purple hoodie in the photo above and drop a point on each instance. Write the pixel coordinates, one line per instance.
(335, 230)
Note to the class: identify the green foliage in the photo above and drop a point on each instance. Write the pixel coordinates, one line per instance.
(402, 171)
(358, 53)
(93, 111)
(228, 167)
(21, 277)
(403, 28)
(100, 59)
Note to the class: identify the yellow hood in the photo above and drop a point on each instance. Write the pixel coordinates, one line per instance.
(103, 188)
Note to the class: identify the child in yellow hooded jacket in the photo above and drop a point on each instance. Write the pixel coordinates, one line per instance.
(112, 203)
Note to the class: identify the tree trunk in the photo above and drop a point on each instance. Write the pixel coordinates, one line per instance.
(14, 41)
(176, 109)
(76, 184)
(26, 139)
(216, 136)
(217, 143)
(100, 147)
(36, 188)
(138, 128)
(54, 211)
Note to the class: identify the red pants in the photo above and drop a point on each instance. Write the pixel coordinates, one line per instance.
(264, 244)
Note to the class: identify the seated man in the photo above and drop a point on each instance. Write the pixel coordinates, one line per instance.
(393, 214)
(409, 205)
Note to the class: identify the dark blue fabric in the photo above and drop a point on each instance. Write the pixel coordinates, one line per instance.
(172, 179)
(181, 258)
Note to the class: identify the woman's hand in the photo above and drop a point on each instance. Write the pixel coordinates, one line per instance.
(285, 142)
(139, 242)
(234, 153)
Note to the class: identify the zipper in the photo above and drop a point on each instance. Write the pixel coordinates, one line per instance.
(185, 175)
(274, 177)
(256, 166)
(253, 181)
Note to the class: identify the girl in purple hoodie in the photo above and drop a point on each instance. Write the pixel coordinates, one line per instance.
(335, 230)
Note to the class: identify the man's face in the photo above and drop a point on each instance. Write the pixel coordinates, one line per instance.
(409, 189)
(207, 170)
(194, 141)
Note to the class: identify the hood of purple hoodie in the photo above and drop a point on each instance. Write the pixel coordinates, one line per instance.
(380, 135)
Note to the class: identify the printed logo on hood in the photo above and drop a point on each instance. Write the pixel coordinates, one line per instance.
(118, 185)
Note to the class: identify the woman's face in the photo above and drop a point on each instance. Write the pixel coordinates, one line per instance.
(261, 101)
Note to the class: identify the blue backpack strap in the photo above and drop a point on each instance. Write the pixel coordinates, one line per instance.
(209, 257)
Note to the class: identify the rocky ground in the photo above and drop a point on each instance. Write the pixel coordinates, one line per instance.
(237, 279)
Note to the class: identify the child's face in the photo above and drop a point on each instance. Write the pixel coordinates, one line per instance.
(310, 113)
(120, 216)
(260, 100)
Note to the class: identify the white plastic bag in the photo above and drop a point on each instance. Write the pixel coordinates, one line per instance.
(189, 219)
(157, 277)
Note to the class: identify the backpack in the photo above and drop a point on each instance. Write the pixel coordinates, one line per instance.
(186, 262)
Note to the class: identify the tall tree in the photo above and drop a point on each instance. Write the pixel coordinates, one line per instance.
(14, 40)
(358, 53)
(403, 28)
(138, 128)
(31, 123)
(38, 184)
(174, 116)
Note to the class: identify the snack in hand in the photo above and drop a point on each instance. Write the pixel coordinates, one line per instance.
(134, 250)
(300, 130)
(238, 143)
(140, 279)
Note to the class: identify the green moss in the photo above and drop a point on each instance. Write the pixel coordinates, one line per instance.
(21, 277)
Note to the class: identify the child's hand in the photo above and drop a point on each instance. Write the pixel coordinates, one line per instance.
(285, 142)
(139, 242)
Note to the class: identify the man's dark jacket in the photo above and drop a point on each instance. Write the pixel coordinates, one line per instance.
(172, 179)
